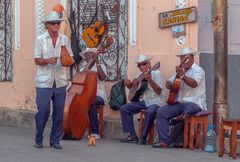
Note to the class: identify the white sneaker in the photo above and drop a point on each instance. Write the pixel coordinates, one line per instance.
(97, 136)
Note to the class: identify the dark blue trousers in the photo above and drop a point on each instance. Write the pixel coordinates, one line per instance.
(43, 98)
(93, 114)
(167, 112)
(127, 111)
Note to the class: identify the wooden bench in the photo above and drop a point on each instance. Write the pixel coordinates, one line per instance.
(141, 125)
(190, 122)
(232, 125)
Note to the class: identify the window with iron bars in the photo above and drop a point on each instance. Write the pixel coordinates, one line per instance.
(5, 40)
(86, 12)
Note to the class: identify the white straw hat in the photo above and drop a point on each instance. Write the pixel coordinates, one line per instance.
(142, 58)
(186, 51)
(52, 16)
(88, 50)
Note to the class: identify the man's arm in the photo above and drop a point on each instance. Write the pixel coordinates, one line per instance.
(189, 81)
(156, 88)
(42, 62)
(128, 83)
(101, 74)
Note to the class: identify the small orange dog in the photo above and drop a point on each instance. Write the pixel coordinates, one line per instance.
(91, 140)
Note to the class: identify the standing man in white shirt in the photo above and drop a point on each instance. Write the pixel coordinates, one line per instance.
(50, 80)
(191, 97)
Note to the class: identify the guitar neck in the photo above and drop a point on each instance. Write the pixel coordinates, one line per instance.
(156, 66)
(107, 42)
(90, 64)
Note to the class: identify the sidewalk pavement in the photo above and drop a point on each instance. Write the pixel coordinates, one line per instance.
(16, 145)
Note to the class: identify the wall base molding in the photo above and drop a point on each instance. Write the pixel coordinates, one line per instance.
(24, 118)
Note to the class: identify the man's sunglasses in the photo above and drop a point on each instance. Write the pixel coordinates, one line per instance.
(54, 22)
(142, 64)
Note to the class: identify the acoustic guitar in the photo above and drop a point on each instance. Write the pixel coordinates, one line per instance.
(176, 85)
(92, 35)
(133, 95)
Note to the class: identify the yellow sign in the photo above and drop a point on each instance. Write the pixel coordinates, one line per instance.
(177, 17)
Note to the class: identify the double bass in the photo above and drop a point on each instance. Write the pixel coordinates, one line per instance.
(80, 96)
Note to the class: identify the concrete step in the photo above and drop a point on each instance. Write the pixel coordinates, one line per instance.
(23, 118)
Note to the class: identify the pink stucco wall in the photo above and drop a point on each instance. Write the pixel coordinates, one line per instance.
(20, 93)
(159, 42)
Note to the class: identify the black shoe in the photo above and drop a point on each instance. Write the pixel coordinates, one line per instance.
(56, 146)
(68, 137)
(130, 139)
(143, 140)
(178, 145)
(38, 145)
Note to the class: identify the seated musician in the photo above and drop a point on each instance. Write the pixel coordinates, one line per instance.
(87, 55)
(152, 97)
(191, 97)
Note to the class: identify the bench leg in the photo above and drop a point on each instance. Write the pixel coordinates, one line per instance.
(233, 139)
(191, 136)
(205, 127)
(221, 141)
(198, 134)
(141, 122)
(185, 142)
(151, 134)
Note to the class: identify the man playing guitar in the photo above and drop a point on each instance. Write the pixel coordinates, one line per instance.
(191, 97)
(152, 97)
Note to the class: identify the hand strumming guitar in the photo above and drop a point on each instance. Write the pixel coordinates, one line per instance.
(180, 71)
(147, 76)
